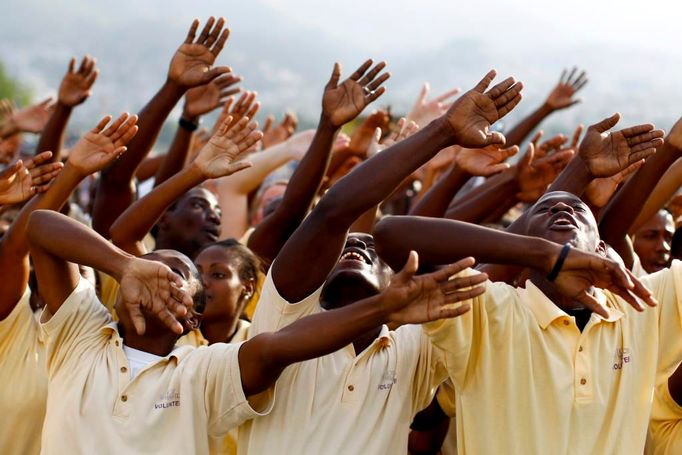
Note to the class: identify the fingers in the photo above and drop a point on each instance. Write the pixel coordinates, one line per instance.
(192, 31)
(127, 132)
(167, 318)
(221, 42)
(137, 318)
(453, 312)
(622, 175)
(500, 88)
(453, 269)
(607, 123)
(374, 94)
(269, 120)
(469, 294)
(576, 136)
(641, 291)
(380, 80)
(494, 138)
(485, 82)
(507, 108)
(423, 94)
(448, 94)
(592, 303)
(211, 74)
(508, 95)
(250, 140)
(102, 123)
(72, 65)
(336, 75)
(372, 73)
(206, 30)
(361, 70)
(37, 160)
(643, 155)
(410, 267)
(213, 35)
(116, 125)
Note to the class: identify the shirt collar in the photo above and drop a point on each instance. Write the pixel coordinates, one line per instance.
(546, 312)
(178, 352)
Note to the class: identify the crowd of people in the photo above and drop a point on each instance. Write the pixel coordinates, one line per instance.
(316, 292)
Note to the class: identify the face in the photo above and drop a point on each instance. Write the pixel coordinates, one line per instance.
(359, 267)
(652, 242)
(193, 223)
(563, 218)
(181, 265)
(9, 148)
(226, 295)
(272, 193)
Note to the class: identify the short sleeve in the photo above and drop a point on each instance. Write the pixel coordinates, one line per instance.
(224, 397)
(274, 312)
(665, 427)
(80, 318)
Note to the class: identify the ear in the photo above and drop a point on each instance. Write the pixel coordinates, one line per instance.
(601, 248)
(249, 289)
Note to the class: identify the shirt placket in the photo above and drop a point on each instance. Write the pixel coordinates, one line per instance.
(122, 406)
(584, 377)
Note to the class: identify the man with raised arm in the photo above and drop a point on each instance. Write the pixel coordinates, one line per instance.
(360, 399)
(568, 364)
(126, 387)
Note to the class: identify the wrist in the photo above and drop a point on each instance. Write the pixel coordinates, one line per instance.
(546, 109)
(545, 255)
(442, 132)
(62, 106)
(120, 263)
(8, 127)
(326, 124)
(188, 122)
(195, 173)
(172, 88)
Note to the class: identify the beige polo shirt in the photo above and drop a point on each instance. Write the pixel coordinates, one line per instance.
(343, 403)
(665, 429)
(528, 381)
(172, 406)
(23, 380)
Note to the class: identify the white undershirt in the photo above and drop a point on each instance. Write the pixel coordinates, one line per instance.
(139, 359)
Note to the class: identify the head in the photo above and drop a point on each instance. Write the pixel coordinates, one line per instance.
(564, 218)
(264, 202)
(9, 148)
(192, 222)
(652, 242)
(8, 213)
(229, 273)
(359, 273)
(181, 265)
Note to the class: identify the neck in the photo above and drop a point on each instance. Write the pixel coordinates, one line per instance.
(159, 343)
(219, 331)
(341, 296)
(550, 290)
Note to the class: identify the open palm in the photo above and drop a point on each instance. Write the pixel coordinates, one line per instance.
(471, 116)
(484, 161)
(223, 153)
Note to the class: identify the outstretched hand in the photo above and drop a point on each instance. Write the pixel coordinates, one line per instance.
(534, 174)
(246, 106)
(191, 64)
(204, 98)
(32, 119)
(151, 287)
(76, 85)
(606, 154)
(99, 147)
(416, 299)
(471, 116)
(425, 110)
(224, 153)
(599, 191)
(341, 103)
(582, 271)
(275, 134)
(561, 95)
(485, 161)
(21, 181)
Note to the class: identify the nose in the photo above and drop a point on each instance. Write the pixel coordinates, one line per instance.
(561, 207)
(212, 216)
(356, 242)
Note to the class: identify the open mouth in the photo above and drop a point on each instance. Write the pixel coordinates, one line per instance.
(355, 255)
(212, 232)
(563, 221)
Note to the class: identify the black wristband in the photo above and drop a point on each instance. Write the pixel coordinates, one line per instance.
(559, 262)
(188, 125)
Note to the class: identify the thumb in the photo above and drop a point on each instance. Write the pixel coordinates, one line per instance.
(494, 138)
(336, 75)
(607, 123)
(213, 73)
(424, 93)
(239, 166)
(495, 169)
(410, 267)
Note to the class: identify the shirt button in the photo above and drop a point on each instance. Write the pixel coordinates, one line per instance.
(351, 388)
(123, 369)
(580, 349)
(116, 343)
(124, 398)
(583, 381)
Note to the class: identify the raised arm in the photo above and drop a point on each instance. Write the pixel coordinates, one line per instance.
(20, 181)
(190, 67)
(313, 250)
(218, 158)
(94, 151)
(337, 109)
(665, 189)
(409, 299)
(31, 119)
(74, 89)
(59, 243)
(198, 101)
(622, 211)
(561, 97)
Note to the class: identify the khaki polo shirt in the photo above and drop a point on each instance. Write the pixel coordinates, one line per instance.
(23, 380)
(528, 381)
(343, 403)
(665, 429)
(172, 405)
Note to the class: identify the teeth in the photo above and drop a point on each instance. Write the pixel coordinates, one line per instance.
(353, 255)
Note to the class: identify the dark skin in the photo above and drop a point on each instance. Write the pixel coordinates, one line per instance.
(156, 300)
(556, 217)
(652, 242)
(312, 253)
(191, 66)
(341, 103)
(75, 88)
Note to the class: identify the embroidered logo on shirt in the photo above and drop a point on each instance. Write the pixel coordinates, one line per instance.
(621, 358)
(170, 399)
(387, 380)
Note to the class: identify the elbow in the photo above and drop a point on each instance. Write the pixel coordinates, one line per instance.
(387, 242)
(36, 220)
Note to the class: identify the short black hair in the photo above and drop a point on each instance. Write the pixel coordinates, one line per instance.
(248, 263)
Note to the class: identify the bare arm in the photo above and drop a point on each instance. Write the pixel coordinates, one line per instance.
(190, 66)
(664, 190)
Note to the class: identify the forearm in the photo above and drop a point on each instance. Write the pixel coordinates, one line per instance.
(436, 201)
(494, 193)
(176, 156)
(573, 179)
(659, 197)
(527, 125)
(622, 211)
(273, 232)
(53, 135)
(149, 167)
(138, 219)
(439, 241)
(263, 163)
(263, 358)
